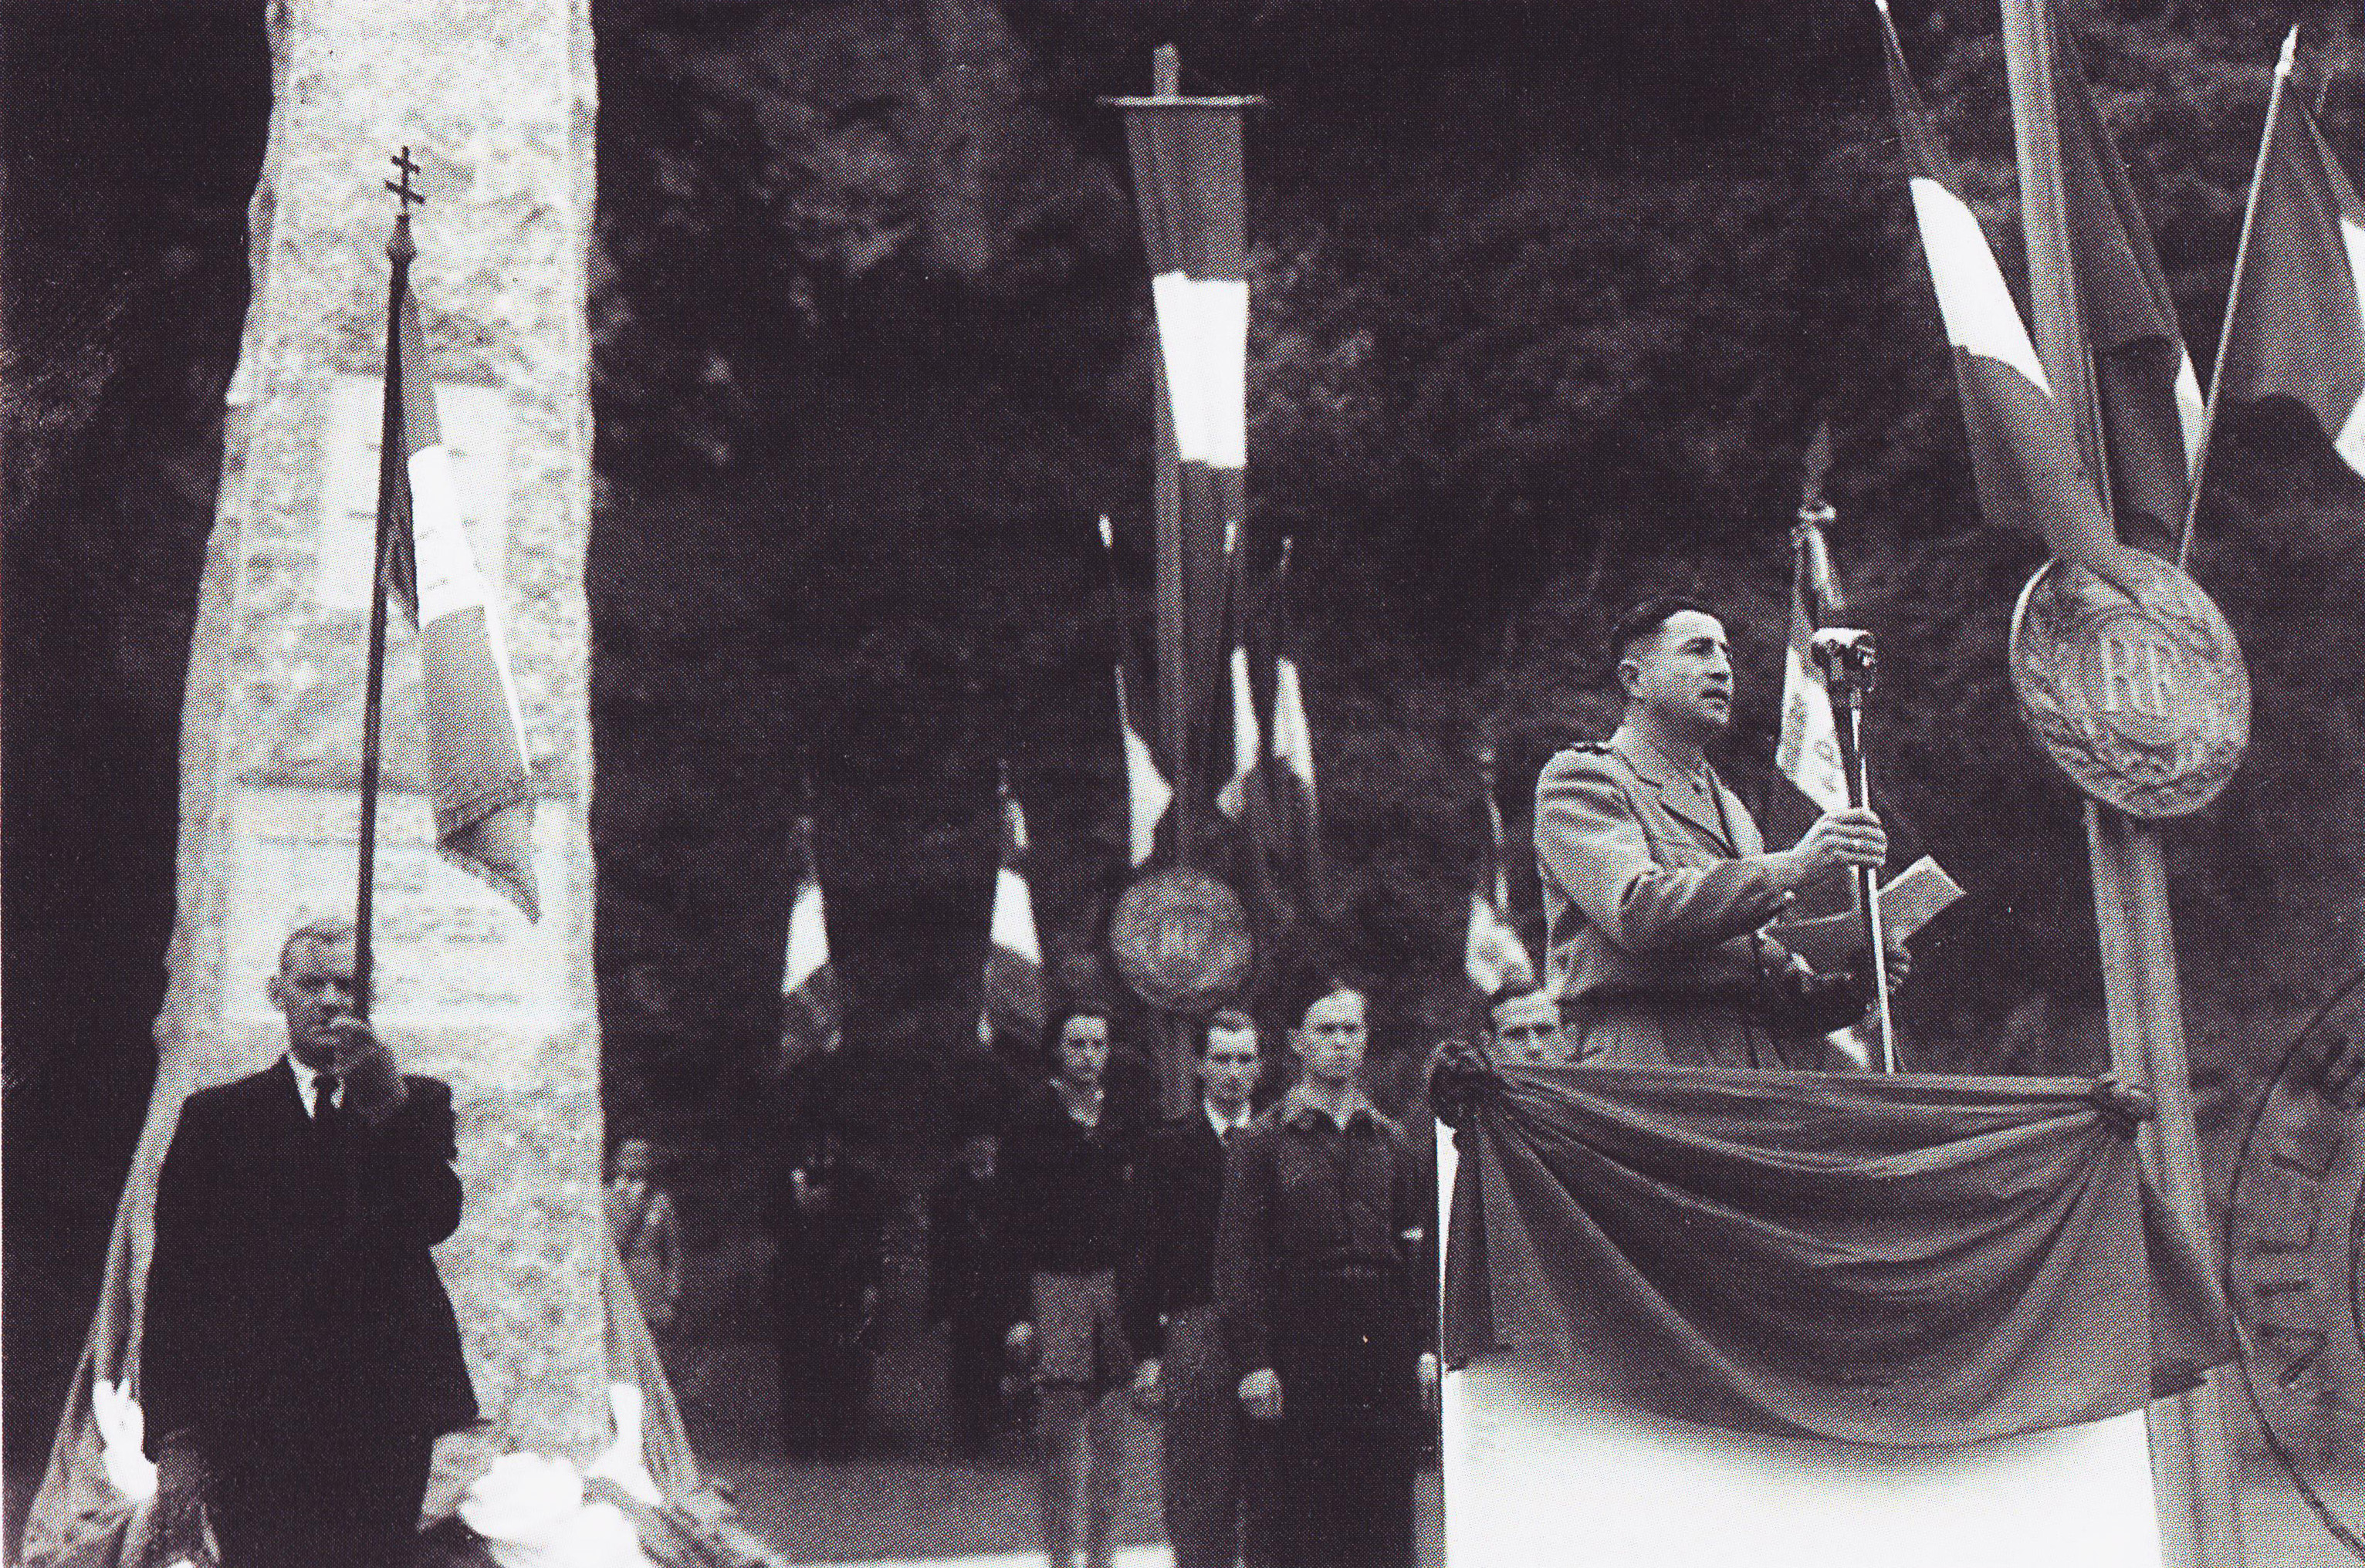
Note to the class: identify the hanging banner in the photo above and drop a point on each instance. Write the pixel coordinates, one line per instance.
(1187, 185)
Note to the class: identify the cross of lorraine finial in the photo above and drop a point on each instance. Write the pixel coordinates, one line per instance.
(401, 189)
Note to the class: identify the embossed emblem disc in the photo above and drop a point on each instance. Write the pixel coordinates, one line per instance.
(2293, 1240)
(2144, 705)
(1180, 940)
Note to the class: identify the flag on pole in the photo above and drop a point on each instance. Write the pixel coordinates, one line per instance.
(1493, 954)
(1295, 837)
(809, 1009)
(1146, 793)
(1233, 800)
(1014, 961)
(1187, 181)
(1809, 751)
(2144, 389)
(2296, 327)
(2023, 444)
(475, 741)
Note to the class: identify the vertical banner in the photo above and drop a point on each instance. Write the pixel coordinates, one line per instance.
(1187, 185)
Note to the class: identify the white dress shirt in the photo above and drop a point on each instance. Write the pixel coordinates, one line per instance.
(303, 1080)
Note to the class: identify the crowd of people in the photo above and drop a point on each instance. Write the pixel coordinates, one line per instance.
(1263, 1277)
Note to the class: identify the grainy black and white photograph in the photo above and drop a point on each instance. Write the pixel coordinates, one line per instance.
(1182, 783)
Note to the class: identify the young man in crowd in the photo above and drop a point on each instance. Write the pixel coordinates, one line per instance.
(1523, 1026)
(1171, 1318)
(1067, 1163)
(1325, 1304)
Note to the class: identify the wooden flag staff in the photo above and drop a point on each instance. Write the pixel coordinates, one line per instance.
(2200, 1526)
(391, 476)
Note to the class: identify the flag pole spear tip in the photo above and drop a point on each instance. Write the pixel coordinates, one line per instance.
(2291, 51)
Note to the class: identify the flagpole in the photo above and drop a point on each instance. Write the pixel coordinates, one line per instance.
(2234, 293)
(390, 475)
(2200, 1523)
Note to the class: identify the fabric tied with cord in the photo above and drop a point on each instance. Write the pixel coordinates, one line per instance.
(1903, 1260)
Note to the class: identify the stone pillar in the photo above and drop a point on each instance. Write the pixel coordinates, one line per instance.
(495, 99)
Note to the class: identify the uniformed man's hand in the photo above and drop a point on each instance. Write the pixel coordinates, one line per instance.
(1427, 1372)
(1261, 1395)
(178, 1510)
(1019, 1343)
(1900, 964)
(1146, 1389)
(1838, 839)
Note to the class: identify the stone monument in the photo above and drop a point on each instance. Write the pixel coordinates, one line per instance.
(494, 100)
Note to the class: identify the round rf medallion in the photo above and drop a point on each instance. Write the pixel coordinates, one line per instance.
(1180, 940)
(2292, 1245)
(2146, 704)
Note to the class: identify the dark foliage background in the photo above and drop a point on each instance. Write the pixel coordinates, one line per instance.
(1549, 297)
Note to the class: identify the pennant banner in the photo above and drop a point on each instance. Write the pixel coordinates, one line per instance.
(1187, 173)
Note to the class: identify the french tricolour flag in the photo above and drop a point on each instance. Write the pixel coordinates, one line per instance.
(475, 741)
(2298, 329)
(2023, 444)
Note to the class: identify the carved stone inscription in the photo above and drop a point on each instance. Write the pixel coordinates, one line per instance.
(450, 952)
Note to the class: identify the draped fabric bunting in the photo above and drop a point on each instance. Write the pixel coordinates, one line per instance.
(1896, 1260)
(1187, 173)
(2023, 444)
(809, 1011)
(1014, 960)
(2145, 388)
(2298, 326)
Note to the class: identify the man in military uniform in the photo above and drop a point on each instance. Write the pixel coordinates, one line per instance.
(1657, 887)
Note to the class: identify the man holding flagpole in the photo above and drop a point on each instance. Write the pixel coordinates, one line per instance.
(300, 1356)
(1657, 886)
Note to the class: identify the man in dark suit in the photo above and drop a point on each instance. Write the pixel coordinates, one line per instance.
(299, 1355)
(828, 1218)
(1657, 888)
(1169, 1312)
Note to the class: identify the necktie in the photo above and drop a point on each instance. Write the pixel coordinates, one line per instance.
(324, 1104)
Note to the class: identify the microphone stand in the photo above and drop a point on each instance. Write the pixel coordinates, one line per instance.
(1847, 681)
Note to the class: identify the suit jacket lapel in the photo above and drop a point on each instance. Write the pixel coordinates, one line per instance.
(1676, 793)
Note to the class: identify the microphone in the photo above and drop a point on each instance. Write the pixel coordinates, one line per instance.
(1846, 657)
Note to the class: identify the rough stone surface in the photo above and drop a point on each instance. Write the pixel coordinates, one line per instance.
(495, 99)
